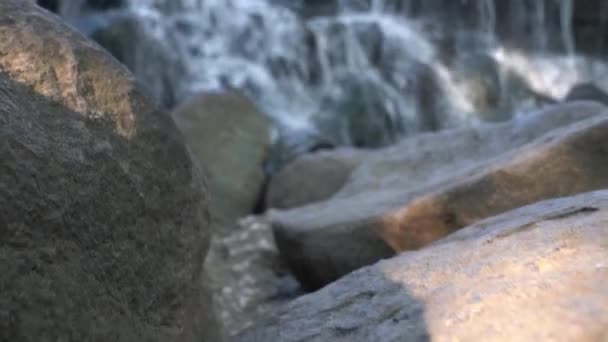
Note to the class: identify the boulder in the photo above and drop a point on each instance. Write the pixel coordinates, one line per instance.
(230, 137)
(360, 113)
(312, 177)
(420, 190)
(587, 92)
(151, 59)
(103, 222)
(51, 5)
(477, 77)
(427, 158)
(538, 273)
(561, 163)
(290, 143)
(589, 27)
(60, 6)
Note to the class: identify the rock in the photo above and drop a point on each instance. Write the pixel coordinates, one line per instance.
(312, 177)
(477, 77)
(290, 143)
(561, 163)
(248, 278)
(74, 10)
(103, 222)
(358, 115)
(420, 190)
(115, 34)
(230, 138)
(106, 4)
(589, 27)
(51, 5)
(426, 158)
(487, 282)
(71, 8)
(587, 92)
(130, 37)
(157, 71)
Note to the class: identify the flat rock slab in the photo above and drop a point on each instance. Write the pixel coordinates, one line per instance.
(412, 194)
(538, 273)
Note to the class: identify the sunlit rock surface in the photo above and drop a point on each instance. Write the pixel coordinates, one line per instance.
(425, 187)
(103, 218)
(534, 274)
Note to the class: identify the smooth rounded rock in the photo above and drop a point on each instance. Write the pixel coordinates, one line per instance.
(230, 138)
(103, 218)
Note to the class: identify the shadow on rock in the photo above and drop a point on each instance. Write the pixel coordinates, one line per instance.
(364, 306)
(534, 273)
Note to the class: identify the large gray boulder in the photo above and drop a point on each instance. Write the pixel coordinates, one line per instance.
(426, 187)
(312, 177)
(538, 273)
(103, 219)
(230, 137)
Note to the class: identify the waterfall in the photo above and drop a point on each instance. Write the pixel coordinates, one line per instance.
(364, 71)
(566, 10)
(540, 29)
(488, 14)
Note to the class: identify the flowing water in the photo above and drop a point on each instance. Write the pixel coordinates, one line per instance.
(366, 72)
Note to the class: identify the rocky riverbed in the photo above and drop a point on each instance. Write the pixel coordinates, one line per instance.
(122, 221)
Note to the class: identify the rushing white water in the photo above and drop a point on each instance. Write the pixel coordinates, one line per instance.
(369, 71)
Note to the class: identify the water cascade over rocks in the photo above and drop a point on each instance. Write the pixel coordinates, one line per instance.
(353, 74)
(365, 72)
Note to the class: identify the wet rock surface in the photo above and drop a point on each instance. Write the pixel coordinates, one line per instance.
(248, 277)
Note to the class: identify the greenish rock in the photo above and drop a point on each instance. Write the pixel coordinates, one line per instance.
(230, 138)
